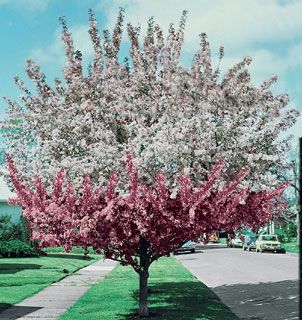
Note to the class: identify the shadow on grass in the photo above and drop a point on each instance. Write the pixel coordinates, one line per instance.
(9, 311)
(273, 300)
(68, 256)
(6, 268)
(182, 301)
(4, 306)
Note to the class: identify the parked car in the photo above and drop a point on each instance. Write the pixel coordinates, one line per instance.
(187, 246)
(213, 238)
(268, 242)
(249, 242)
(236, 243)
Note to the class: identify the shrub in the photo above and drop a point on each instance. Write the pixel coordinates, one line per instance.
(16, 249)
(25, 230)
(291, 230)
(287, 231)
(14, 231)
(281, 237)
(4, 219)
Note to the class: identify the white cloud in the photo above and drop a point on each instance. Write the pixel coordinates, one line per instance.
(296, 130)
(274, 65)
(267, 63)
(235, 24)
(82, 40)
(28, 5)
(54, 53)
(295, 56)
(250, 27)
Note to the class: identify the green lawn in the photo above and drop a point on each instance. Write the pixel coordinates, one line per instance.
(174, 295)
(222, 240)
(23, 277)
(75, 250)
(291, 246)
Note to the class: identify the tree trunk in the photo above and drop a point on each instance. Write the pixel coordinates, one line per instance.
(143, 278)
(143, 293)
(298, 227)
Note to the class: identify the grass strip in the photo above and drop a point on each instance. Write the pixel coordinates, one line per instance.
(23, 277)
(174, 293)
(291, 246)
(75, 250)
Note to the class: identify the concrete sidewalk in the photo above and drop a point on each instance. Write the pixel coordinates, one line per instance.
(54, 300)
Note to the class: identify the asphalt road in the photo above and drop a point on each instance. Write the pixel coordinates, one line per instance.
(254, 285)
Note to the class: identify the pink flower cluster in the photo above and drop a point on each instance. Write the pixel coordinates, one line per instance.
(116, 224)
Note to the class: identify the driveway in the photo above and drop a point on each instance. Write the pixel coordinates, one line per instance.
(254, 285)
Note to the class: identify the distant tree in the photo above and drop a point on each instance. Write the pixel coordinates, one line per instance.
(2, 157)
(145, 224)
(11, 131)
(291, 173)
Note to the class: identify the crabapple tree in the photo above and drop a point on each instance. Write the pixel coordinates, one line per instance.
(177, 122)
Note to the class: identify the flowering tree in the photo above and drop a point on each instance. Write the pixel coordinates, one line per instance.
(172, 118)
(291, 214)
(147, 223)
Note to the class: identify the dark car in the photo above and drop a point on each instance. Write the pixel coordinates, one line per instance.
(249, 242)
(187, 246)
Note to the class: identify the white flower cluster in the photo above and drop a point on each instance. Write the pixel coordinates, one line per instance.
(171, 118)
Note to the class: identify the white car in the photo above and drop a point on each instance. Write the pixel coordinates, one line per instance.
(268, 242)
(236, 243)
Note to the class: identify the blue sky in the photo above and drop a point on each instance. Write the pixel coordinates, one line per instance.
(269, 31)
